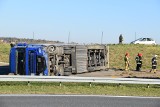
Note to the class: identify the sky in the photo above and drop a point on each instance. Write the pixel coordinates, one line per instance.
(83, 20)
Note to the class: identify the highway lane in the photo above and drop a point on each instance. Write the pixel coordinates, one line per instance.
(77, 101)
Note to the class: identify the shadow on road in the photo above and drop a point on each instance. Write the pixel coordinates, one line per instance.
(144, 77)
(4, 69)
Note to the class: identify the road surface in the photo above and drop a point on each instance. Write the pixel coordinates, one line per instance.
(77, 101)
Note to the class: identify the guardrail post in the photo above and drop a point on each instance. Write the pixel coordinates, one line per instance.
(90, 84)
(60, 84)
(28, 83)
(119, 84)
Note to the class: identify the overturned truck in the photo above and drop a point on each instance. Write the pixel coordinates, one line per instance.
(56, 59)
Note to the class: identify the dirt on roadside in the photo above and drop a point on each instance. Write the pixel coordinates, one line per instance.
(121, 74)
(113, 73)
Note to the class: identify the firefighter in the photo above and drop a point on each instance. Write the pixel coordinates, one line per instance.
(138, 62)
(154, 64)
(126, 60)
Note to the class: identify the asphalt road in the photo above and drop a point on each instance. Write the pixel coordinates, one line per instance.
(76, 101)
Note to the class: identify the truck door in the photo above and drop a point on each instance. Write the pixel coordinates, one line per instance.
(20, 61)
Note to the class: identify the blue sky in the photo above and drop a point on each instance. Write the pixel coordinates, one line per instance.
(84, 19)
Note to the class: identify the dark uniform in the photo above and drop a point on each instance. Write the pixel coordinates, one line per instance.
(138, 62)
(154, 64)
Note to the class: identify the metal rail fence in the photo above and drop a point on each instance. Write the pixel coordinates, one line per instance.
(79, 79)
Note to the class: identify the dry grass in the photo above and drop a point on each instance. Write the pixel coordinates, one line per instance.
(117, 53)
(4, 52)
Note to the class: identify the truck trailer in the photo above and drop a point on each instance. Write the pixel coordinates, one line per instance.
(56, 59)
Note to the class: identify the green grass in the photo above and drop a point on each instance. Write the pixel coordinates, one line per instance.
(4, 52)
(78, 88)
(117, 53)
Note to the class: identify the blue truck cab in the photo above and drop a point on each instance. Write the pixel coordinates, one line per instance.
(28, 59)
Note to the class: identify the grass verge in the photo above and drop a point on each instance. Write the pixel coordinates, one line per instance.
(117, 52)
(4, 52)
(78, 88)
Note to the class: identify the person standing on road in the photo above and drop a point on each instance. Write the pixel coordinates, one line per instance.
(126, 60)
(138, 62)
(154, 64)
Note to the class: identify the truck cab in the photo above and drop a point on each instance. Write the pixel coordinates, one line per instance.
(28, 60)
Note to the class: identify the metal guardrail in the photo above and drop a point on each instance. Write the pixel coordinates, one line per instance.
(78, 79)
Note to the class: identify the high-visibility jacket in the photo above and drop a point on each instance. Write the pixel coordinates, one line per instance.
(126, 59)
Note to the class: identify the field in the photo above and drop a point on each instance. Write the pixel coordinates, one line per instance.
(116, 54)
(4, 52)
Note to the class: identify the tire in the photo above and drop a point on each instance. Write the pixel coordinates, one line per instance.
(51, 48)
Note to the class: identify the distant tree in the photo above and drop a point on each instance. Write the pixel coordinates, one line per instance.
(120, 39)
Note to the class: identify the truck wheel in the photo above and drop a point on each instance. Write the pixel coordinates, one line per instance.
(51, 48)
